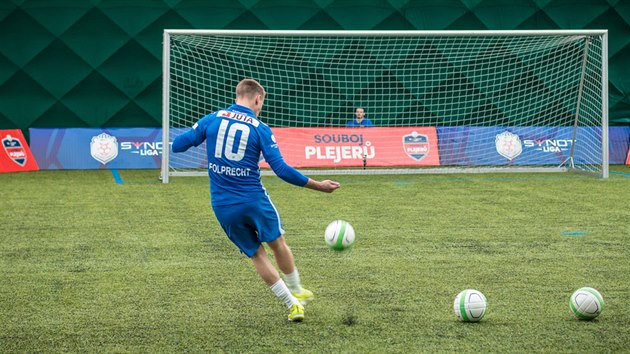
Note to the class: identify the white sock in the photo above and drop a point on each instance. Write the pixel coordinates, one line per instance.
(293, 281)
(283, 293)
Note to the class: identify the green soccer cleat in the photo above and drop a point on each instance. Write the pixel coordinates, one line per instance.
(296, 314)
(304, 296)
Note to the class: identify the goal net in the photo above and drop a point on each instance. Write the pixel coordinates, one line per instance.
(437, 101)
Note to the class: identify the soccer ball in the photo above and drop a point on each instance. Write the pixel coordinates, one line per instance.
(586, 303)
(470, 305)
(339, 235)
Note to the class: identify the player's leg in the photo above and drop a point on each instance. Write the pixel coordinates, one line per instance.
(269, 227)
(286, 262)
(284, 257)
(283, 254)
(264, 267)
(270, 275)
(237, 223)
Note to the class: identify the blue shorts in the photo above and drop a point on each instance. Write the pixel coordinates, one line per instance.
(250, 224)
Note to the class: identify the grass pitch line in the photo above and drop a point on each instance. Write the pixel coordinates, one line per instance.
(117, 177)
(573, 234)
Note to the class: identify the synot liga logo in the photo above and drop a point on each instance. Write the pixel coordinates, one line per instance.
(104, 148)
(142, 148)
(508, 145)
(549, 145)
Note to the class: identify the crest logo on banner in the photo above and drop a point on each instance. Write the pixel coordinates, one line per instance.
(104, 148)
(14, 149)
(508, 145)
(416, 145)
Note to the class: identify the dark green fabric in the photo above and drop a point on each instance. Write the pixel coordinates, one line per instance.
(98, 63)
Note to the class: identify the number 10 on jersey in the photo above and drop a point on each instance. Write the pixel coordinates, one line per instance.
(225, 145)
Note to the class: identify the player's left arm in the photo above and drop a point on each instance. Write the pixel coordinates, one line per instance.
(326, 186)
(272, 155)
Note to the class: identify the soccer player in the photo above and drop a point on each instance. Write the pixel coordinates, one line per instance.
(235, 139)
(359, 120)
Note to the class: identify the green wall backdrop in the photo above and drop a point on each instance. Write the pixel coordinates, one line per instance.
(80, 63)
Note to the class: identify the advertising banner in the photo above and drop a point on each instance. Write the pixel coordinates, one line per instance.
(141, 148)
(513, 146)
(619, 144)
(358, 147)
(96, 148)
(15, 155)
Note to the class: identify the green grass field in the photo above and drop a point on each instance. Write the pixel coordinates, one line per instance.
(89, 265)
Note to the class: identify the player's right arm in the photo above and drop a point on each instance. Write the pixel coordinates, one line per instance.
(193, 137)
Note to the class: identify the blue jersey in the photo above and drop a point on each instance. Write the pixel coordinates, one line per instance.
(365, 123)
(235, 140)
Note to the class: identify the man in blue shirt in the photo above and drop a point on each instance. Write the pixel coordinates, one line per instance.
(235, 140)
(359, 120)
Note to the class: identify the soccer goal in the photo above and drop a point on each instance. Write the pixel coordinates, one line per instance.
(437, 101)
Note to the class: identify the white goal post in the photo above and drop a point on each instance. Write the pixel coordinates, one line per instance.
(438, 101)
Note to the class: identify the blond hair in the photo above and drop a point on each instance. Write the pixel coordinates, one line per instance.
(249, 89)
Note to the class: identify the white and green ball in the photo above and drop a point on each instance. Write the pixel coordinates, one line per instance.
(470, 305)
(339, 235)
(586, 303)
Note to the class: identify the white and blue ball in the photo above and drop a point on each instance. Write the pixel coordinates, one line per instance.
(586, 303)
(470, 305)
(339, 235)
